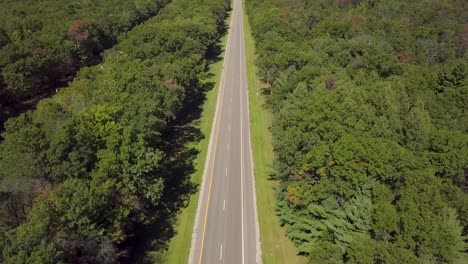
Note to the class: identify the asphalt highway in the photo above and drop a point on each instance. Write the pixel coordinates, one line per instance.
(226, 225)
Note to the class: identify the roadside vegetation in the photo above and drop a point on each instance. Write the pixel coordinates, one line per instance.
(179, 247)
(276, 247)
(89, 173)
(370, 127)
(44, 43)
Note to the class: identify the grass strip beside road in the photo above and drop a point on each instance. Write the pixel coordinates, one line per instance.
(276, 247)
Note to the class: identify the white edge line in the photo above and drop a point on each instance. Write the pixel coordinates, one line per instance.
(242, 132)
(257, 226)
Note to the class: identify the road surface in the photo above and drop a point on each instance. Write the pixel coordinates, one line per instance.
(226, 225)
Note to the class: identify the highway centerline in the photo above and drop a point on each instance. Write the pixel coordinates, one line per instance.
(221, 252)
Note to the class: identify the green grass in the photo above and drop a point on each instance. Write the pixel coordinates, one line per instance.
(276, 247)
(179, 246)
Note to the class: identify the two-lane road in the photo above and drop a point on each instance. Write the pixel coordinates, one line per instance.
(226, 225)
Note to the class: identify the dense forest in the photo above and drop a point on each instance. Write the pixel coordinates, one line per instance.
(44, 43)
(85, 173)
(370, 126)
